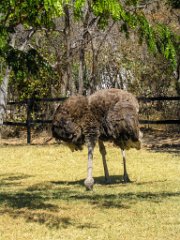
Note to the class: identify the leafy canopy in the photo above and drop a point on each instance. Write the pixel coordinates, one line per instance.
(40, 14)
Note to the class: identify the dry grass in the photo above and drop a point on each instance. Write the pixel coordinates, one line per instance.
(42, 196)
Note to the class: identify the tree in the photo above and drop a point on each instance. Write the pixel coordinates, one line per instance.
(29, 15)
(96, 18)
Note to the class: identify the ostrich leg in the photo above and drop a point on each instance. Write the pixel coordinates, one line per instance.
(102, 150)
(125, 177)
(89, 182)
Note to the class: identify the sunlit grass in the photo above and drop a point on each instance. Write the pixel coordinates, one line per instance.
(42, 196)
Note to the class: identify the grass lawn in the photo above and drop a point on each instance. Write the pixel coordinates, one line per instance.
(42, 196)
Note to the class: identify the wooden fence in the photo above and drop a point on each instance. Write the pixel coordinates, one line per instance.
(29, 103)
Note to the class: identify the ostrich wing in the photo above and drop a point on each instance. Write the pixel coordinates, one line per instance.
(123, 125)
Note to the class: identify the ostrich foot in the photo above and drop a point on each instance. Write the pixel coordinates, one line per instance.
(89, 182)
(126, 178)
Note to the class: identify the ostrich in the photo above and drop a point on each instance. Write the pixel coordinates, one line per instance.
(106, 115)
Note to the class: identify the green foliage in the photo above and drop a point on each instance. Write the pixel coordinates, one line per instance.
(31, 14)
(78, 8)
(166, 43)
(106, 9)
(26, 85)
(158, 38)
(54, 8)
(146, 32)
(3, 37)
(39, 14)
(28, 62)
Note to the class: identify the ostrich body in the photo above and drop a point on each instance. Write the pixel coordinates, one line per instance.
(106, 115)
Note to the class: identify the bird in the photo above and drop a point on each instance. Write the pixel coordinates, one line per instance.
(106, 115)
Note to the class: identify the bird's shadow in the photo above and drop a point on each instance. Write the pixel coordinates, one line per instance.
(41, 203)
(115, 179)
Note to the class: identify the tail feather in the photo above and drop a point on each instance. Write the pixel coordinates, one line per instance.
(123, 125)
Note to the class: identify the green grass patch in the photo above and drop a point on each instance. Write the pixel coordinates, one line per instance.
(42, 196)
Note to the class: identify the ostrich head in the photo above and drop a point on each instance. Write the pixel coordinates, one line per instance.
(66, 126)
(63, 129)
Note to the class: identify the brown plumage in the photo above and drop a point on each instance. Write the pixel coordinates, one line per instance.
(107, 115)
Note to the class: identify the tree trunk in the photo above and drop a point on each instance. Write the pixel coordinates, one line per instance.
(3, 94)
(81, 68)
(68, 84)
(94, 71)
(83, 43)
(4, 84)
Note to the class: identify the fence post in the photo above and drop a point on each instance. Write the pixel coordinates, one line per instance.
(28, 120)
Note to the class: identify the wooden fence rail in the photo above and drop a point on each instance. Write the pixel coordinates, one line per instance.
(30, 122)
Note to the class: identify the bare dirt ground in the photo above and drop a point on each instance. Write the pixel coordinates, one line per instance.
(161, 138)
(157, 140)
